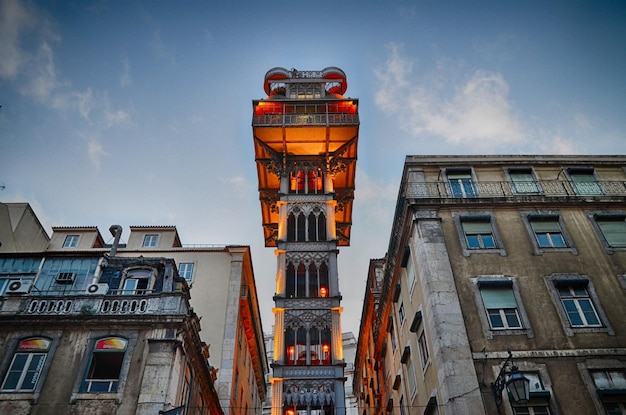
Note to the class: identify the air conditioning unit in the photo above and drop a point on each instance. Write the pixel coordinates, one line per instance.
(98, 289)
(19, 287)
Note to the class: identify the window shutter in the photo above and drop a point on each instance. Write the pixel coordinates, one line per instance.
(498, 298)
(545, 225)
(476, 227)
(521, 177)
(614, 232)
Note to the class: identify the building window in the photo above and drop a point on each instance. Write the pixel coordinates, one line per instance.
(403, 410)
(423, 348)
(579, 306)
(410, 370)
(401, 313)
(584, 182)
(392, 333)
(615, 408)
(613, 230)
(523, 181)
(461, 183)
(185, 270)
(306, 181)
(501, 307)
(610, 386)
(150, 241)
(71, 241)
(609, 379)
(27, 365)
(503, 311)
(478, 234)
(105, 365)
(137, 282)
(548, 232)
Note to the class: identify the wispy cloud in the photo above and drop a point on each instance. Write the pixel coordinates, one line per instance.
(14, 20)
(162, 49)
(476, 114)
(96, 152)
(125, 78)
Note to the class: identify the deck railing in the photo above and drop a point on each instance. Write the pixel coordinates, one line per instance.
(278, 120)
(548, 188)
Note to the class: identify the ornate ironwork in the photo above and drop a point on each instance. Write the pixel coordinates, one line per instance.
(480, 189)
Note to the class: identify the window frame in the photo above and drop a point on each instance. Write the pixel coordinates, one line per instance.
(544, 397)
(150, 240)
(409, 366)
(555, 280)
(71, 241)
(40, 371)
(183, 270)
(500, 281)
(570, 171)
(133, 274)
(90, 364)
(510, 171)
(482, 216)
(608, 215)
(528, 217)
(595, 364)
(473, 184)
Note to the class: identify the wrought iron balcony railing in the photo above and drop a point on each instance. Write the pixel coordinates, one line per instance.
(548, 188)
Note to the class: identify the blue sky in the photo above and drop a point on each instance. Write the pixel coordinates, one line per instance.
(139, 112)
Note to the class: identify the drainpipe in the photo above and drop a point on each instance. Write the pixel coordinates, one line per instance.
(116, 231)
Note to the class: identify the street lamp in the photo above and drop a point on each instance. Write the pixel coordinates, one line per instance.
(517, 384)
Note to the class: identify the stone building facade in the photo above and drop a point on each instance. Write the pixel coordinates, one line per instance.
(80, 297)
(496, 253)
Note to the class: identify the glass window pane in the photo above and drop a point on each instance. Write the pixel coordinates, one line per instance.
(495, 319)
(572, 313)
(557, 240)
(512, 320)
(488, 241)
(589, 312)
(543, 241)
(473, 242)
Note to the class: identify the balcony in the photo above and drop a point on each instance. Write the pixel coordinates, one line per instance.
(294, 120)
(514, 191)
(166, 303)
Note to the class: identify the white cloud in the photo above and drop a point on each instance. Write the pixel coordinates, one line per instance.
(15, 18)
(95, 152)
(41, 72)
(238, 184)
(478, 114)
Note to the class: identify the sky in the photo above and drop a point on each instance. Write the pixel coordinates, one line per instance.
(139, 112)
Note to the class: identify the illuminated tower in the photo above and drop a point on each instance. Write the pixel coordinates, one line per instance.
(305, 142)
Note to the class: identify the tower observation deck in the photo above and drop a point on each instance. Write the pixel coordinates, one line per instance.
(305, 140)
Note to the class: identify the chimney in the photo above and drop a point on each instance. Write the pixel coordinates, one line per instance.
(116, 231)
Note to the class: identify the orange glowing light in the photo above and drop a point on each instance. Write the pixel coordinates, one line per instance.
(291, 350)
(290, 412)
(325, 348)
(323, 292)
